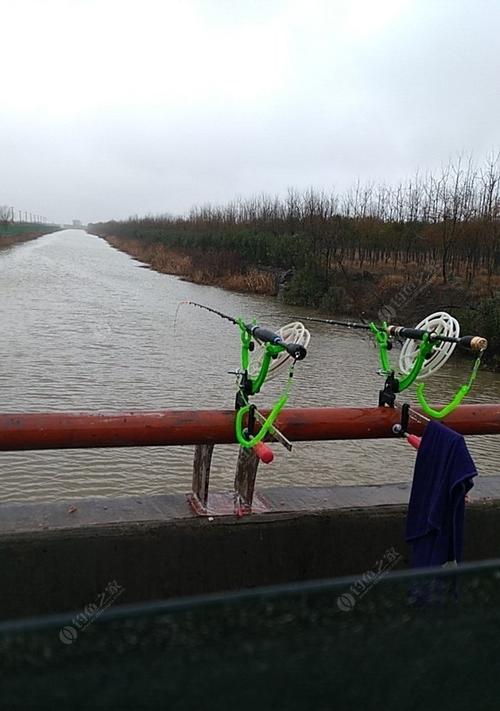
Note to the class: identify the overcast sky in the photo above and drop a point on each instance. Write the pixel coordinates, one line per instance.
(110, 108)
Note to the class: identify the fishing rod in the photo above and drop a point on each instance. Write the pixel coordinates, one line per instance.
(347, 324)
(426, 348)
(473, 342)
(275, 349)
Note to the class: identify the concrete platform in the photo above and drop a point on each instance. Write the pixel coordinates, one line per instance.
(54, 558)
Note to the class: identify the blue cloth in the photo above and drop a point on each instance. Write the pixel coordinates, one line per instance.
(443, 475)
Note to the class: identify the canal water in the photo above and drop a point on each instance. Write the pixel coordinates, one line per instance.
(84, 326)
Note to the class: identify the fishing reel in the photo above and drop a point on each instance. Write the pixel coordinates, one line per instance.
(437, 324)
(427, 348)
(288, 345)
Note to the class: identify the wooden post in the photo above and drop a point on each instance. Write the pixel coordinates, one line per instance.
(201, 472)
(244, 482)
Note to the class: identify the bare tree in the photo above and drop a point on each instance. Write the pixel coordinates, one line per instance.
(5, 216)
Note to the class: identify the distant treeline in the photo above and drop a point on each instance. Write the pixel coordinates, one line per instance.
(451, 220)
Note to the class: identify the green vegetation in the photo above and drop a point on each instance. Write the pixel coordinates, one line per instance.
(12, 231)
(485, 319)
(15, 229)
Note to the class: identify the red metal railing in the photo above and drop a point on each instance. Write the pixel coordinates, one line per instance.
(206, 428)
(75, 430)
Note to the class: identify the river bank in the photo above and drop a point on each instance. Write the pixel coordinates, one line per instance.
(384, 293)
(17, 233)
(197, 267)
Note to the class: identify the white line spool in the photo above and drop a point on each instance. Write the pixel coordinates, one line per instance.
(442, 324)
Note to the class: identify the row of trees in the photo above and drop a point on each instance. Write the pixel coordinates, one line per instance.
(451, 220)
(5, 216)
(10, 215)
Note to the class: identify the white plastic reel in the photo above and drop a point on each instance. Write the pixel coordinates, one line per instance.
(442, 324)
(294, 332)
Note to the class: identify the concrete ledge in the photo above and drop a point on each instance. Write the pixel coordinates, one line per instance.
(53, 561)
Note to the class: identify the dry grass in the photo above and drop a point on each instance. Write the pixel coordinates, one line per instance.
(254, 282)
(9, 240)
(391, 281)
(168, 261)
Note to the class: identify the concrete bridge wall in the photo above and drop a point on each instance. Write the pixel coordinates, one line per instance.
(53, 559)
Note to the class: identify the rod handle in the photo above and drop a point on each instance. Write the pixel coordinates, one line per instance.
(265, 335)
(416, 334)
(295, 350)
(475, 343)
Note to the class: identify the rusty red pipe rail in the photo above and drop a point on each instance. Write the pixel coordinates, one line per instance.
(75, 430)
